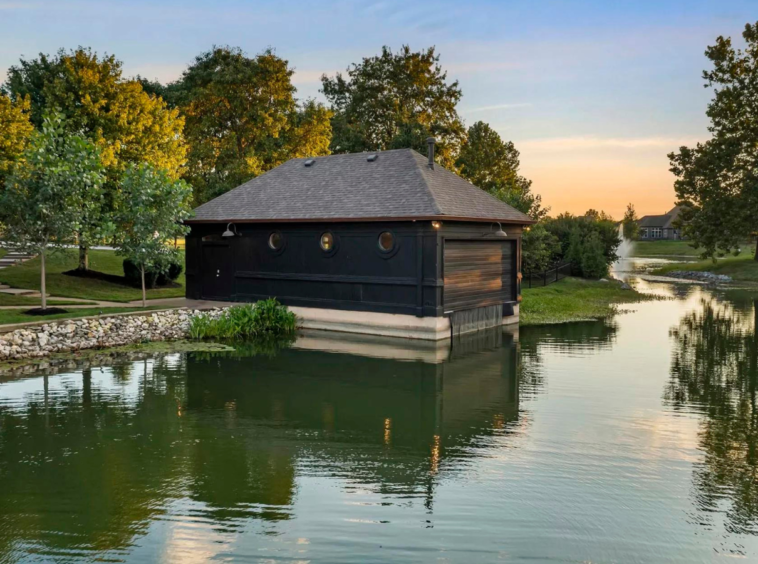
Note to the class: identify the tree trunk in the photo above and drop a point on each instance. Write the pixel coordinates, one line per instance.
(755, 256)
(144, 298)
(42, 278)
(83, 258)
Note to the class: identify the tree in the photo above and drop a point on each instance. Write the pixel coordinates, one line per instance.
(395, 100)
(150, 217)
(575, 233)
(539, 248)
(631, 223)
(488, 162)
(126, 123)
(59, 177)
(16, 131)
(243, 119)
(717, 181)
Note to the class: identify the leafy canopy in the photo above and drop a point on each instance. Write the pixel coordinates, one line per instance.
(242, 118)
(630, 223)
(58, 179)
(126, 123)
(395, 100)
(150, 216)
(16, 131)
(717, 181)
(492, 164)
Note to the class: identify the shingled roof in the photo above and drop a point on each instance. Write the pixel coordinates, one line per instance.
(397, 184)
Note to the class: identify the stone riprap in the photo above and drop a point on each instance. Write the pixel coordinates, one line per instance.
(701, 276)
(96, 333)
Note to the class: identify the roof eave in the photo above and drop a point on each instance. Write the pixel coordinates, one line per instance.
(509, 221)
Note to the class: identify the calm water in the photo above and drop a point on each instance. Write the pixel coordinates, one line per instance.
(633, 440)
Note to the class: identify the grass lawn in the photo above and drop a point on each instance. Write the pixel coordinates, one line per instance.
(26, 275)
(3, 252)
(574, 299)
(11, 300)
(743, 267)
(18, 316)
(675, 248)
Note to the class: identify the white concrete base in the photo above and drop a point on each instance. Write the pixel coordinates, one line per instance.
(369, 323)
(383, 324)
(512, 319)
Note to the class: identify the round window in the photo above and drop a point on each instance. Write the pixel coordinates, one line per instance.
(327, 242)
(386, 241)
(276, 241)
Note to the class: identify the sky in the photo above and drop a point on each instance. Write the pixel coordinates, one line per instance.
(593, 93)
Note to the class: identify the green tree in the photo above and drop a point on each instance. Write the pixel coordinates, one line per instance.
(243, 119)
(58, 180)
(717, 181)
(16, 131)
(573, 233)
(395, 100)
(631, 223)
(492, 164)
(150, 217)
(539, 249)
(593, 260)
(126, 123)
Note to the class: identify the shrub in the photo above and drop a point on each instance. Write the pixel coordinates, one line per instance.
(540, 249)
(593, 260)
(267, 318)
(153, 277)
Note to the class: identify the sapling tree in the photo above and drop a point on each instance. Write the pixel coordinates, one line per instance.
(150, 217)
(58, 181)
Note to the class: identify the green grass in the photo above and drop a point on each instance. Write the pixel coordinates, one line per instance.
(574, 299)
(27, 275)
(3, 252)
(8, 316)
(743, 267)
(675, 248)
(11, 300)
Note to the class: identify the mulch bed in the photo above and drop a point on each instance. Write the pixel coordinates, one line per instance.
(38, 311)
(112, 278)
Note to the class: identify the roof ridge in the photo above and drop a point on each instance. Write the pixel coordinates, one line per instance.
(419, 172)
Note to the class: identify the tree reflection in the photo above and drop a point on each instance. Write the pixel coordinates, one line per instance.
(714, 371)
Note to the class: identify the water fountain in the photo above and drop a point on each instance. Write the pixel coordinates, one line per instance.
(620, 269)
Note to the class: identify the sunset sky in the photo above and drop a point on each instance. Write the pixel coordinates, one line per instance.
(593, 93)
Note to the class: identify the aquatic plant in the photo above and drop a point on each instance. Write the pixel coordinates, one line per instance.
(267, 318)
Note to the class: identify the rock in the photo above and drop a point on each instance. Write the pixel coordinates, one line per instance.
(625, 286)
(701, 276)
(603, 280)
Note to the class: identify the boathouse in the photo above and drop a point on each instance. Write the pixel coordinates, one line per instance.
(388, 242)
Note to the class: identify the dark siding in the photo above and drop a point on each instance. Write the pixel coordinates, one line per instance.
(478, 274)
(357, 276)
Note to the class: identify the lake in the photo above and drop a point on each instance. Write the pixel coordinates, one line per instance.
(628, 440)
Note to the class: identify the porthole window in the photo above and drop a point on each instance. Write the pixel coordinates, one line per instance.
(276, 241)
(386, 242)
(327, 242)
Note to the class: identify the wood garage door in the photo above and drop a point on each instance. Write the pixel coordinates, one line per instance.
(478, 274)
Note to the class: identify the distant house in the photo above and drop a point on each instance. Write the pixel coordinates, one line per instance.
(653, 227)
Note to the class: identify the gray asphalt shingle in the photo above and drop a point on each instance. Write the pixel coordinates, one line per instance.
(398, 184)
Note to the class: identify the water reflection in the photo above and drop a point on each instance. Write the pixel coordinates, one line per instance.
(92, 462)
(714, 373)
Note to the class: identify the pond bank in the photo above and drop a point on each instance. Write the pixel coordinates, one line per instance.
(96, 333)
(743, 268)
(576, 299)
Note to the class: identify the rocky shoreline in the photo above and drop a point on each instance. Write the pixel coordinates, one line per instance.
(700, 276)
(97, 333)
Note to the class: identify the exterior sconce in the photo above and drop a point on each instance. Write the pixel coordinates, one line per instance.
(436, 224)
(229, 232)
(500, 232)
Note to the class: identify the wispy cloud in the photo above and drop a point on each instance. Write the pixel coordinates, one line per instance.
(559, 144)
(496, 107)
(310, 76)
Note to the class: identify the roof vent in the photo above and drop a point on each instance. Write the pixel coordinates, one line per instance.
(371, 158)
(309, 162)
(430, 141)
